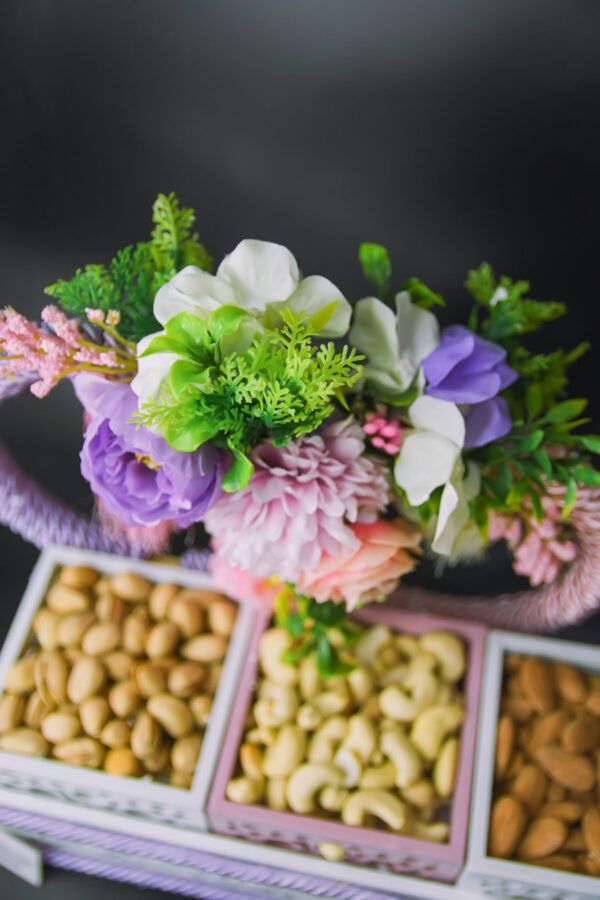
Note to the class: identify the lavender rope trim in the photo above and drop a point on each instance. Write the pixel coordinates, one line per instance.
(170, 853)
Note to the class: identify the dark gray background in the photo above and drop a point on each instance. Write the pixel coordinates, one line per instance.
(452, 131)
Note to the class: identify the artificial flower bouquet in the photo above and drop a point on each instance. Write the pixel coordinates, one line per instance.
(323, 444)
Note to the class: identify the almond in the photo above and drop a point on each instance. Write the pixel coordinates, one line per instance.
(547, 729)
(591, 833)
(505, 741)
(530, 788)
(592, 704)
(78, 576)
(567, 810)
(543, 837)
(507, 824)
(556, 861)
(581, 734)
(535, 677)
(576, 773)
(130, 586)
(570, 683)
(575, 841)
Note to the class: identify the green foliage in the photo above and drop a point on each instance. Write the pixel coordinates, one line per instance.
(130, 281)
(278, 388)
(377, 268)
(318, 629)
(421, 295)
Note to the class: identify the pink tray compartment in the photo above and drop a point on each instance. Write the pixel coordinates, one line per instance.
(364, 846)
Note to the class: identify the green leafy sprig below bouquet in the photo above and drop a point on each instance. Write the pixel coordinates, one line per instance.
(130, 281)
(237, 391)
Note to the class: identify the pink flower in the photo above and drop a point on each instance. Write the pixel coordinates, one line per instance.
(369, 572)
(385, 433)
(540, 549)
(300, 503)
(242, 586)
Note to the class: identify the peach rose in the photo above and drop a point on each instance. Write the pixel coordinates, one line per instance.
(368, 573)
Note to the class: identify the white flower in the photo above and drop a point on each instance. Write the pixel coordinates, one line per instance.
(394, 345)
(431, 457)
(262, 278)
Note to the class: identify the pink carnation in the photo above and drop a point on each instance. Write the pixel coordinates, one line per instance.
(300, 503)
(369, 572)
(242, 586)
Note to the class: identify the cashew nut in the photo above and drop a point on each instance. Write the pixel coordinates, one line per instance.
(273, 644)
(350, 764)
(407, 761)
(276, 705)
(310, 683)
(331, 733)
(448, 650)
(307, 781)
(421, 794)
(361, 737)
(336, 700)
(332, 798)
(251, 761)
(361, 684)
(308, 718)
(331, 851)
(261, 736)
(396, 704)
(407, 644)
(421, 681)
(433, 831)
(275, 793)
(444, 770)
(244, 790)
(383, 777)
(394, 675)
(286, 753)
(371, 643)
(433, 725)
(370, 708)
(382, 804)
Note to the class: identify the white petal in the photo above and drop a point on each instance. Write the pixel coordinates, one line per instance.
(429, 413)
(452, 517)
(426, 461)
(417, 329)
(193, 290)
(259, 272)
(472, 482)
(373, 332)
(152, 370)
(315, 292)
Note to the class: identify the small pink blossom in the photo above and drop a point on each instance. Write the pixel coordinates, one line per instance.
(540, 549)
(239, 584)
(385, 433)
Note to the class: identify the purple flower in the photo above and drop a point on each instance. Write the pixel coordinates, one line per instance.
(135, 472)
(465, 368)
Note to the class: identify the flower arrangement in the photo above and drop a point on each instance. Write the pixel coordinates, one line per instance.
(323, 444)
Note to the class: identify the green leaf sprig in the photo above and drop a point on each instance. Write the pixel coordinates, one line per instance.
(377, 268)
(130, 281)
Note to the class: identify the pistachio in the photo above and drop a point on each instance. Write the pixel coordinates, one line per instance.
(123, 699)
(51, 673)
(146, 736)
(160, 598)
(201, 596)
(73, 655)
(59, 726)
(83, 751)
(173, 714)
(130, 586)
(64, 599)
(20, 678)
(221, 617)
(135, 632)
(116, 733)
(159, 761)
(109, 608)
(121, 761)
(187, 616)
(79, 576)
(101, 638)
(94, 714)
(200, 707)
(36, 709)
(185, 753)
(205, 648)
(71, 629)
(25, 741)
(181, 780)
(186, 679)
(12, 707)
(45, 627)
(118, 664)
(88, 677)
(162, 640)
(149, 679)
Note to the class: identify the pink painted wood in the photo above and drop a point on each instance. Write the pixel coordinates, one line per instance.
(364, 846)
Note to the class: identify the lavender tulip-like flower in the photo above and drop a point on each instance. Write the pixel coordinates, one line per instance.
(466, 369)
(136, 474)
